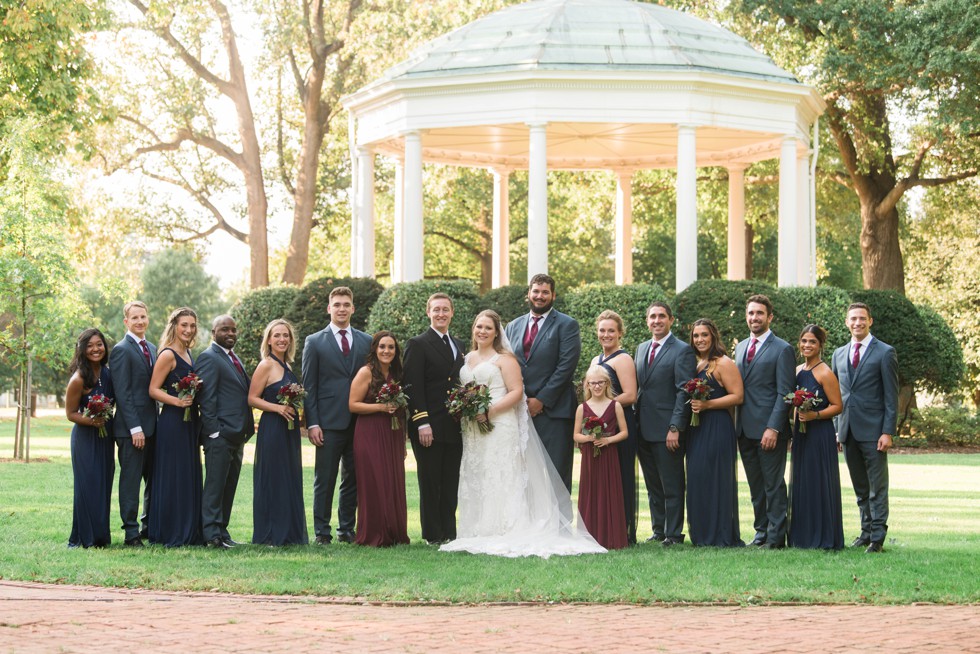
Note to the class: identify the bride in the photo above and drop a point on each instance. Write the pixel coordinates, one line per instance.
(511, 500)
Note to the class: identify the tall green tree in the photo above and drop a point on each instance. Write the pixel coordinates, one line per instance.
(175, 278)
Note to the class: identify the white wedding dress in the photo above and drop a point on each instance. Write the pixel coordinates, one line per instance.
(511, 500)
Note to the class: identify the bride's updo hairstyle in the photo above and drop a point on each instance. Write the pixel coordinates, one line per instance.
(498, 344)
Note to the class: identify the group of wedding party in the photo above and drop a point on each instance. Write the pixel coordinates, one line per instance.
(493, 426)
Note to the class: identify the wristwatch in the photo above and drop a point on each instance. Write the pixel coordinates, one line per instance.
(673, 429)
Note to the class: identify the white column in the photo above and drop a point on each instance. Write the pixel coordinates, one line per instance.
(736, 221)
(624, 227)
(352, 135)
(398, 240)
(805, 250)
(364, 254)
(786, 260)
(537, 201)
(500, 275)
(687, 207)
(413, 235)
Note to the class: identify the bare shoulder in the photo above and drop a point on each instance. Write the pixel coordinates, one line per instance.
(507, 362)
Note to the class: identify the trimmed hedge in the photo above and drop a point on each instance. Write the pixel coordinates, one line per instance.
(253, 312)
(509, 301)
(946, 369)
(310, 311)
(825, 306)
(401, 308)
(630, 301)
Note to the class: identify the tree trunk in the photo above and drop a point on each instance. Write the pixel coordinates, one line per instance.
(881, 252)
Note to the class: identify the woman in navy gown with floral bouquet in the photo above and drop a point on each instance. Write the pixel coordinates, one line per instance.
(379, 447)
(622, 374)
(278, 513)
(88, 400)
(712, 487)
(815, 504)
(175, 496)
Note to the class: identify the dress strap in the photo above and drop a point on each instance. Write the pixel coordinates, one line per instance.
(280, 362)
(602, 360)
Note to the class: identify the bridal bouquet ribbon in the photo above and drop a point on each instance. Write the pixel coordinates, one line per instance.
(803, 400)
(593, 426)
(469, 400)
(99, 406)
(697, 389)
(291, 395)
(188, 387)
(392, 393)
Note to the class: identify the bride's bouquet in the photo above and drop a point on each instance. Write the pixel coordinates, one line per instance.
(468, 401)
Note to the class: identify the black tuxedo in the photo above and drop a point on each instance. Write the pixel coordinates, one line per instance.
(226, 424)
(431, 372)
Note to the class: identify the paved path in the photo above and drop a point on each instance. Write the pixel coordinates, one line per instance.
(46, 618)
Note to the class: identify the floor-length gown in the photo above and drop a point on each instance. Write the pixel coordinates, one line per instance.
(511, 500)
(278, 514)
(627, 452)
(175, 495)
(712, 485)
(600, 488)
(93, 467)
(379, 463)
(815, 503)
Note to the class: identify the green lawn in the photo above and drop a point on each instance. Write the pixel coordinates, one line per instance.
(931, 553)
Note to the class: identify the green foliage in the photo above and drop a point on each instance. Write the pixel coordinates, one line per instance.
(945, 370)
(253, 312)
(175, 278)
(310, 311)
(825, 306)
(401, 308)
(509, 301)
(942, 425)
(630, 301)
(724, 303)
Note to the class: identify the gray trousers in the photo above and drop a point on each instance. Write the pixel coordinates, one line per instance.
(765, 471)
(337, 452)
(556, 436)
(223, 465)
(663, 474)
(869, 476)
(135, 465)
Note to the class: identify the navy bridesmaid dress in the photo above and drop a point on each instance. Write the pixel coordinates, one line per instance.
(93, 467)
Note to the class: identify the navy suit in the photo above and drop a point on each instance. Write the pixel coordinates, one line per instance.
(767, 380)
(134, 408)
(223, 399)
(327, 375)
(870, 395)
(661, 402)
(548, 371)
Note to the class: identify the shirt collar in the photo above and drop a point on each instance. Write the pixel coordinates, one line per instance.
(761, 338)
(543, 316)
(136, 339)
(865, 342)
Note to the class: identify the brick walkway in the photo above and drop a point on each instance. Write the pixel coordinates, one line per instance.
(45, 618)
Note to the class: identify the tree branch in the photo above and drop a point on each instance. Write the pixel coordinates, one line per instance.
(204, 201)
(452, 239)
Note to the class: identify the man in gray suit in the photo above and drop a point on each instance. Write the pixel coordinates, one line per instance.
(131, 362)
(331, 358)
(226, 424)
(768, 367)
(547, 345)
(868, 372)
(664, 364)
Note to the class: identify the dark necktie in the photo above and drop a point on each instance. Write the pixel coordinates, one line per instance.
(531, 335)
(445, 339)
(146, 352)
(238, 365)
(653, 352)
(344, 345)
(751, 353)
(857, 355)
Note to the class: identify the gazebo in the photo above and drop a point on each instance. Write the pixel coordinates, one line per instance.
(587, 85)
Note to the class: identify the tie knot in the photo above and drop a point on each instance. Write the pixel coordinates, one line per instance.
(857, 346)
(755, 341)
(342, 332)
(143, 342)
(656, 344)
(536, 319)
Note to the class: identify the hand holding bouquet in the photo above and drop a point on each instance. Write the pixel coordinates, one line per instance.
(99, 407)
(188, 387)
(291, 395)
(803, 400)
(593, 427)
(697, 389)
(392, 393)
(468, 401)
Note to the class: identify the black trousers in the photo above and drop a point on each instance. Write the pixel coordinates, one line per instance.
(438, 473)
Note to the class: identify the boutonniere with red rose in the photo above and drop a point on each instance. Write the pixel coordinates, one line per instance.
(99, 406)
(469, 400)
(593, 427)
(188, 387)
(291, 395)
(803, 400)
(392, 393)
(697, 389)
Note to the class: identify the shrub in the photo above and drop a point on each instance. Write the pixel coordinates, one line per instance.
(401, 308)
(253, 312)
(509, 301)
(630, 301)
(945, 369)
(310, 310)
(943, 425)
(825, 306)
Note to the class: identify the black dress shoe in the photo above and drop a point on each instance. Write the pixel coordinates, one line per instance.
(656, 538)
(346, 538)
(874, 547)
(669, 542)
(218, 544)
(321, 540)
(145, 534)
(133, 542)
(228, 541)
(772, 546)
(757, 542)
(861, 541)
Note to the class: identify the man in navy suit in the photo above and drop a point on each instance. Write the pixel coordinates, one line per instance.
(331, 358)
(226, 424)
(433, 360)
(664, 364)
(547, 344)
(867, 370)
(768, 367)
(131, 362)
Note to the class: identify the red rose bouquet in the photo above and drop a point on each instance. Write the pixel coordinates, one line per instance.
(291, 395)
(99, 406)
(188, 387)
(468, 401)
(803, 400)
(593, 427)
(697, 389)
(392, 393)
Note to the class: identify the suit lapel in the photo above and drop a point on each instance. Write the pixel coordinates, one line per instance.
(440, 345)
(517, 343)
(868, 351)
(139, 351)
(740, 350)
(242, 378)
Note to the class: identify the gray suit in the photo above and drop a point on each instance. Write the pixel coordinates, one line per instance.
(223, 399)
(870, 395)
(660, 403)
(134, 408)
(327, 375)
(548, 372)
(767, 380)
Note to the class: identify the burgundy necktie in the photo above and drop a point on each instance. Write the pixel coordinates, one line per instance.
(531, 335)
(146, 352)
(653, 352)
(238, 366)
(751, 353)
(344, 345)
(857, 355)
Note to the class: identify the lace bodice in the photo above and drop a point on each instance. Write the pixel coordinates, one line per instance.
(485, 372)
